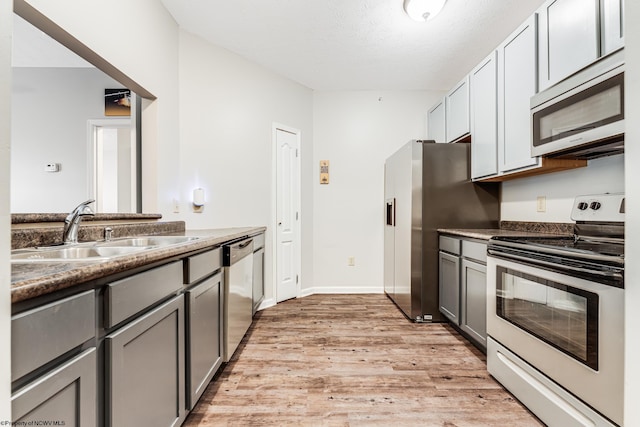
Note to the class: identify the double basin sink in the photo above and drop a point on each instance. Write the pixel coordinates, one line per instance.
(96, 251)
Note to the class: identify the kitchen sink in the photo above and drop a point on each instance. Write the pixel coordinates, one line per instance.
(72, 253)
(96, 251)
(146, 241)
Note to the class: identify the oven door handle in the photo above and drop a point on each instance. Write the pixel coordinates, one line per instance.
(555, 267)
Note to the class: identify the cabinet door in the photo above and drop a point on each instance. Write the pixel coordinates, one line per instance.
(484, 120)
(66, 395)
(449, 284)
(204, 341)
(569, 39)
(145, 369)
(516, 85)
(457, 111)
(612, 25)
(258, 278)
(473, 313)
(436, 123)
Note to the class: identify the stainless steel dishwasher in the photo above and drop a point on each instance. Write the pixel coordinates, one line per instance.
(238, 293)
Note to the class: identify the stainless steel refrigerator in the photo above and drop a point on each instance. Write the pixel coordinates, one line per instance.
(427, 186)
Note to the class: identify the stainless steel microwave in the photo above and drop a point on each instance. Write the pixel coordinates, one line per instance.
(581, 117)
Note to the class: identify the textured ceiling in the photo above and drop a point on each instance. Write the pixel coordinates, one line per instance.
(355, 44)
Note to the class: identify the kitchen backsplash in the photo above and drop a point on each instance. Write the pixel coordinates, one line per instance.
(538, 227)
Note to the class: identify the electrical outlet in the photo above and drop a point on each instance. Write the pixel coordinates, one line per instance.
(52, 167)
(176, 206)
(541, 204)
(351, 261)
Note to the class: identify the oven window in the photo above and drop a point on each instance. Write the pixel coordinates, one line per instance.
(562, 316)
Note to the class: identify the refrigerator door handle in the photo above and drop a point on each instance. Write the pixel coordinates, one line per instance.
(391, 212)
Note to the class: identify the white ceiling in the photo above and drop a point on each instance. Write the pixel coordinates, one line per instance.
(355, 44)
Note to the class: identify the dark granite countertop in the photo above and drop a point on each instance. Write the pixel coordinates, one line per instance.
(30, 280)
(514, 229)
(488, 233)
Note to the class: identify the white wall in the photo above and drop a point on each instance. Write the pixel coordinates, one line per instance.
(632, 224)
(227, 108)
(356, 132)
(560, 188)
(140, 39)
(6, 22)
(50, 108)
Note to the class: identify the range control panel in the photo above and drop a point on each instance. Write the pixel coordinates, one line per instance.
(607, 207)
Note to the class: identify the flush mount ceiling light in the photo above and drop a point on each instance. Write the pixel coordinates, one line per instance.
(423, 10)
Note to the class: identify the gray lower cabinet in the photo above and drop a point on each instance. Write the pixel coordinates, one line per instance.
(449, 284)
(204, 335)
(473, 318)
(54, 363)
(145, 377)
(463, 286)
(65, 396)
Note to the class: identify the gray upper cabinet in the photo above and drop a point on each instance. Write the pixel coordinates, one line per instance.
(569, 38)
(517, 83)
(457, 111)
(436, 122)
(612, 24)
(484, 110)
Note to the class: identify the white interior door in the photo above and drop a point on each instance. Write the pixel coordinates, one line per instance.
(287, 213)
(112, 165)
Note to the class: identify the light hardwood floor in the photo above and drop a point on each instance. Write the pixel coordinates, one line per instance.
(354, 360)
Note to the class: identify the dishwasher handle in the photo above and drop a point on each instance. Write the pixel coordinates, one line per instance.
(235, 251)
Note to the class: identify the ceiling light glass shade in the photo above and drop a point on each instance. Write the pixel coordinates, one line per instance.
(423, 10)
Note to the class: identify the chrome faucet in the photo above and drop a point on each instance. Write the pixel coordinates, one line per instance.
(72, 221)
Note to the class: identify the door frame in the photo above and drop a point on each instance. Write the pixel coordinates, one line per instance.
(92, 125)
(274, 209)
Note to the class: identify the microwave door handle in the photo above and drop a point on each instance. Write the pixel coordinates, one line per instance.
(581, 128)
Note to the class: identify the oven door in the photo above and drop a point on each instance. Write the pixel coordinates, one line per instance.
(568, 328)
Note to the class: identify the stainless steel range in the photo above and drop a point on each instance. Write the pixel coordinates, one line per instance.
(555, 317)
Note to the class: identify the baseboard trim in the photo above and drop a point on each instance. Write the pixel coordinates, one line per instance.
(342, 290)
(326, 290)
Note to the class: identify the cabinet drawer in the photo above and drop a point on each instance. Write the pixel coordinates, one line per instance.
(474, 250)
(127, 297)
(202, 265)
(44, 333)
(450, 244)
